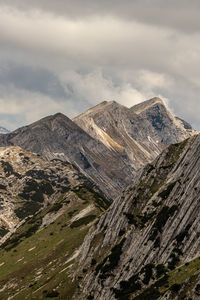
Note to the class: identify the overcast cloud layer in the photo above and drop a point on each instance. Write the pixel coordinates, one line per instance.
(70, 55)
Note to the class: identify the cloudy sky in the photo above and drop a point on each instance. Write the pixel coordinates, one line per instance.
(69, 55)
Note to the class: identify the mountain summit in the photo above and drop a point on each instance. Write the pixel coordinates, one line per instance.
(165, 127)
(143, 130)
(3, 130)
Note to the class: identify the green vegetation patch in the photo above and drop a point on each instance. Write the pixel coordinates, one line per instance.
(27, 209)
(180, 274)
(165, 213)
(139, 219)
(111, 261)
(35, 190)
(55, 207)
(172, 281)
(8, 169)
(128, 287)
(165, 194)
(86, 193)
(83, 221)
(3, 231)
(174, 152)
(38, 261)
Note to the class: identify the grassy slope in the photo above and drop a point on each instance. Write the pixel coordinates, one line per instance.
(183, 279)
(38, 266)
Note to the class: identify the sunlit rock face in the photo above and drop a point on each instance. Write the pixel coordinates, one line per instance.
(147, 244)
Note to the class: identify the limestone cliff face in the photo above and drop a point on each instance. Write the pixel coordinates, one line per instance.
(164, 127)
(143, 131)
(147, 245)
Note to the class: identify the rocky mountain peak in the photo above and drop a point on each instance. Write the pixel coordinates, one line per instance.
(59, 137)
(142, 131)
(3, 130)
(101, 108)
(138, 108)
(53, 122)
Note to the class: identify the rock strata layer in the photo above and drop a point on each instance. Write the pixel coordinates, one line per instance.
(147, 245)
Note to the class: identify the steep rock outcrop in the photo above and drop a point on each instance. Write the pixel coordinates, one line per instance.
(148, 243)
(143, 131)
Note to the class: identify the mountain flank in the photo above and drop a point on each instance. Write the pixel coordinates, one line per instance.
(58, 137)
(29, 183)
(47, 209)
(147, 245)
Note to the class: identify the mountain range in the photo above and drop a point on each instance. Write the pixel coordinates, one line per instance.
(104, 206)
(108, 143)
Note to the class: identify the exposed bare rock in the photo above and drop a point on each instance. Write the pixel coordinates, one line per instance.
(3, 130)
(165, 128)
(143, 131)
(58, 137)
(147, 245)
(108, 143)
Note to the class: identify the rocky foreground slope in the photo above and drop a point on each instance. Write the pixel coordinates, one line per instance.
(28, 183)
(147, 246)
(108, 143)
(47, 209)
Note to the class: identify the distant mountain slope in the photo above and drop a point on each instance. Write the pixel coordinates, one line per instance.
(143, 130)
(3, 130)
(58, 137)
(147, 246)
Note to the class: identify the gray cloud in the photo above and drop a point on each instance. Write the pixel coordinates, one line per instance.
(172, 13)
(69, 55)
(32, 79)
